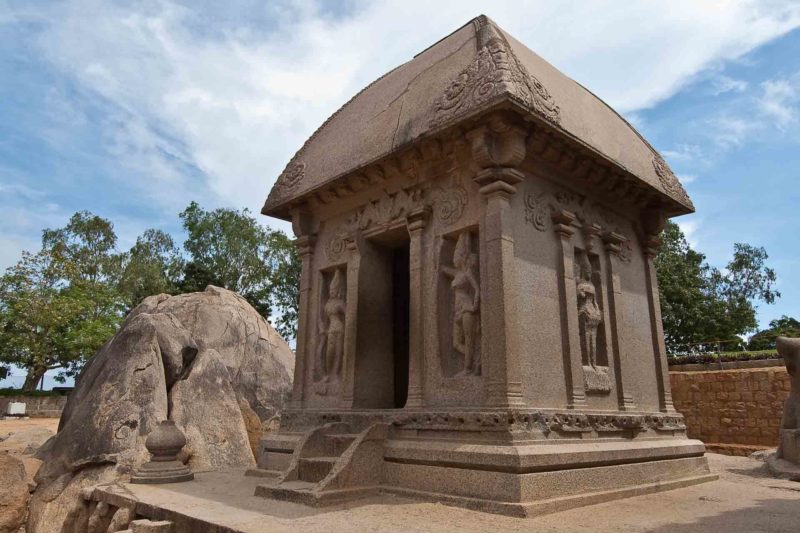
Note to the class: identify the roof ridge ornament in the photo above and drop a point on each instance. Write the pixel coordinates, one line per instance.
(289, 179)
(495, 70)
(669, 181)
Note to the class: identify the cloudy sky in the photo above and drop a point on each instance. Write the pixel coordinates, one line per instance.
(133, 109)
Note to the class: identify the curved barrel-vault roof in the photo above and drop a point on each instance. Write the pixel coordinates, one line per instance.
(477, 66)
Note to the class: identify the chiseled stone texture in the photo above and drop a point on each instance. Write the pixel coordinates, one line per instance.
(13, 493)
(735, 412)
(192, 358)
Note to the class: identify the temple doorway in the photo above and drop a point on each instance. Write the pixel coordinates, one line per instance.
(381, 369)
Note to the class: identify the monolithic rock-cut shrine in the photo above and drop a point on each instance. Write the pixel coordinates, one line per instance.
(479, 314)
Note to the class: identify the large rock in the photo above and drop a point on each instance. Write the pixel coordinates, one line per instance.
(200, 359)
(13, 493)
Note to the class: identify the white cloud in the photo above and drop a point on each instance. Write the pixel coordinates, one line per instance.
(726, 84)
(729, 130)
(687, 178)
(778, 99)
(684, 152)
(195, 91)
(690, 229)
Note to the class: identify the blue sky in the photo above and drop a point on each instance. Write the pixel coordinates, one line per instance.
(131, 110)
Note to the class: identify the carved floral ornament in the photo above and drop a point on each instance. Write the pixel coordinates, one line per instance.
(447, 203)
(540, 207)
(336, 246)
(494, 71)
(553, 424)
(671, 184)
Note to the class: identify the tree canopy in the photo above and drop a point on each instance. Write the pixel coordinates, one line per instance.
(60, 304)
(701, 303)
(765, 339)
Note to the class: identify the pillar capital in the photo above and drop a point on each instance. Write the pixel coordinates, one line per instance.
(498, 142)
(612, 242)
(305, 244)
(563, 223)
(651, 245)
(418, 219)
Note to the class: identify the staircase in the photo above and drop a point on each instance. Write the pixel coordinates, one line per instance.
(325, 466)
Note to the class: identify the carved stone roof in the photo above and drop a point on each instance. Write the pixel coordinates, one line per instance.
(473, 69)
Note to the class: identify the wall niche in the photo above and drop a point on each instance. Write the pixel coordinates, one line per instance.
(459, 299)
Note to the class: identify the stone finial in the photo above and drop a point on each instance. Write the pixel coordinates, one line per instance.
(164, 444)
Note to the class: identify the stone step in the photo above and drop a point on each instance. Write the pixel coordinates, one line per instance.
(339, 442)
(298, 485)
(315, 469)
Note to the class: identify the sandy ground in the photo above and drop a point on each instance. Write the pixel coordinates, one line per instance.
(12, 426)
(745, 499)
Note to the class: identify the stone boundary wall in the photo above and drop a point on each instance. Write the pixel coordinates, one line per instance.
(735, 411)
(36, 406)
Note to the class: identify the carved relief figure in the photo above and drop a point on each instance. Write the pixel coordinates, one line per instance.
(589, 313)
(466, 304)
(330, 349)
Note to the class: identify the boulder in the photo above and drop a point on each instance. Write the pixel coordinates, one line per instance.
(13, 493)
(197, 359)
(25, 441)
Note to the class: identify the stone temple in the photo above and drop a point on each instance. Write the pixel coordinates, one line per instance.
(479, 314)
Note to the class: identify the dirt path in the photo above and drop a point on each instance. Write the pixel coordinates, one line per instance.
(12, 426)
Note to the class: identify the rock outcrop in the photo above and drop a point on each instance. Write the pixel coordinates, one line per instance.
(13, 493)
(206, 360)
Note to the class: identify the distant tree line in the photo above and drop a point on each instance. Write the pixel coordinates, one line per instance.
(60, 304)
(704, 306)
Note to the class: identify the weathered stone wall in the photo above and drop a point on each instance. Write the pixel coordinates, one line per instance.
(37, 406)
(735, 411)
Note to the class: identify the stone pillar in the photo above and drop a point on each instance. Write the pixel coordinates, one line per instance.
(305, 247)
(499, 323)
(653, 224)
(612, 242)
(416, 341)
(570, 328)
(498, 147)
(351, 323)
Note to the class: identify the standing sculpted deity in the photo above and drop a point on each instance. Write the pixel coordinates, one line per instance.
(466, 304)
(589, 313)
(331, 337)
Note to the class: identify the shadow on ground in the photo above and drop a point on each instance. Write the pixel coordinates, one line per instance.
(772, 516)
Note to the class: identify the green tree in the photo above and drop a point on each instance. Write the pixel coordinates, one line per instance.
(152, 266)
(229, 248)
(700, 303)
(765, 339)
(58, 306)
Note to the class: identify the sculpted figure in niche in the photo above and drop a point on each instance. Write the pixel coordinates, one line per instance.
(589, 313)
(331, 341)
(466, 304)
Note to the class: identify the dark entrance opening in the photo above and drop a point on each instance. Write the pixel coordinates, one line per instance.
(400, 323)
(381, 365)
